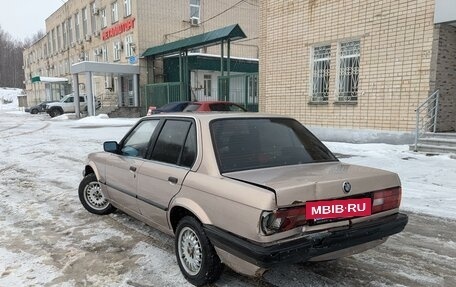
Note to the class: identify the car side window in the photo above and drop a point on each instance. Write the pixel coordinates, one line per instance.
(170, 142)
(189, 152)
(137, 142)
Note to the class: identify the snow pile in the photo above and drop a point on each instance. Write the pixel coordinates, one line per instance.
(8, 98)
(428, 182)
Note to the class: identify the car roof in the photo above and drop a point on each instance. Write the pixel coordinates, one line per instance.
(212, 102)
(210, 116)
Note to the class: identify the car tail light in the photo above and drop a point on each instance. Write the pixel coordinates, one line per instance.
(386, 199)
(282, 219)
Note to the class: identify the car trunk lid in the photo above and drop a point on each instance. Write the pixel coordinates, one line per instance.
(307, 182)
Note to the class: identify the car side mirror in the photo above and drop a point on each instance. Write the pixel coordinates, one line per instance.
(111, 146)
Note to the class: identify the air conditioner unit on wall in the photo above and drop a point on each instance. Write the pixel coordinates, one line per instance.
(88, 38)
(194, 21)
(95, 11)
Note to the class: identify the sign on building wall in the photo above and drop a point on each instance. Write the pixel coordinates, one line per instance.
(118, 29)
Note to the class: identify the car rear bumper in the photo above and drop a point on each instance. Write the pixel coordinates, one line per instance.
(309, 246)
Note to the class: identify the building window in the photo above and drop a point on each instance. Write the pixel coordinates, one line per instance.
(117, 48)
(59, 44)
(195, 9)
(93, 21)
(65, 35)
(76, 26)
(84, 21)
(129, 46)
(70, 31)
(104, 53)
(54, 47)
(104, 21)
(114, 12)
(127, 8)
(348, 71)
(320, 73)
(97, 53)
(207, 85)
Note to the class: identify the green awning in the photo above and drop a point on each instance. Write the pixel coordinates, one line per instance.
(233, 32)
(49, 79)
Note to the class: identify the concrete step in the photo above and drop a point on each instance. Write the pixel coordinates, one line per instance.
(434, 148)
(439, 141)
(449, 135)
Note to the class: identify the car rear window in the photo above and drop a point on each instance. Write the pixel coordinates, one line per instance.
(251, 143)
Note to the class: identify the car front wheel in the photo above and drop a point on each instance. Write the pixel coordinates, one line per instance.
(195, 254)
(55, 113)
(92, 198)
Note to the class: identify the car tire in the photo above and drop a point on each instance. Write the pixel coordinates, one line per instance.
(197, 259)
(34, 111)
(55, 113)
(92, 197)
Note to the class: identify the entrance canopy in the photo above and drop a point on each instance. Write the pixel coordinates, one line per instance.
(105, 68)
(89, 68)
(48, 79)
(232, 33)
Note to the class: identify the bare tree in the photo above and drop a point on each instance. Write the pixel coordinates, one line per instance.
(11, 58)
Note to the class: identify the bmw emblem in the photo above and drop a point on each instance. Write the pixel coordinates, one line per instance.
(346, 187)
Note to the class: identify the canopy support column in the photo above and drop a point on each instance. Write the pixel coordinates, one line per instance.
(77, 106)
(90, 102)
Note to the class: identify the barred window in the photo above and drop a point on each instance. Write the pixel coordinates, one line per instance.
(349, 71)
(320, 73)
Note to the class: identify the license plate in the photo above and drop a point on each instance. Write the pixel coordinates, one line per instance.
(343, 208)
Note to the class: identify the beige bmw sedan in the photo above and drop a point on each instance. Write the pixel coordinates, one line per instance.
(243, 190)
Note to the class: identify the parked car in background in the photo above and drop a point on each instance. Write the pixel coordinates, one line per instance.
(40, 108)
(245, 190)
(169, 108)
(66, 105)
(214, 106)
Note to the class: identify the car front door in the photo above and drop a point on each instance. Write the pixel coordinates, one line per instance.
(161, 177)
(122, 168)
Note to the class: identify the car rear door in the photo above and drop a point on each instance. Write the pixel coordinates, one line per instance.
(122, 168)
(161, 177)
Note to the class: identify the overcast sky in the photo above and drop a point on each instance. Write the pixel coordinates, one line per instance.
(23, 18)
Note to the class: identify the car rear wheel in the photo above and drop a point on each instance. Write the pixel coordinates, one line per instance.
(195, 254)
(92, 198)
(34, 111)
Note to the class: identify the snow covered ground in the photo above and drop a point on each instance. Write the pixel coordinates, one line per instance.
(47, 238)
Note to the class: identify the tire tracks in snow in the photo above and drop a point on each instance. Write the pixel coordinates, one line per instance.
(27, 132)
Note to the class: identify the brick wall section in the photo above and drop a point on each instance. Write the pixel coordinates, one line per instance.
(396, 38)
(445, 77)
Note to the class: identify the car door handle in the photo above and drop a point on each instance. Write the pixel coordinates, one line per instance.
(172, 179)
(133, 168)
